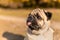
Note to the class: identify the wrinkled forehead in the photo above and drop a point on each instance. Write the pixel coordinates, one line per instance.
(40, 12)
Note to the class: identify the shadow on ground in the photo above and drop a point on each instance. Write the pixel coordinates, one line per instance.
(11, 36)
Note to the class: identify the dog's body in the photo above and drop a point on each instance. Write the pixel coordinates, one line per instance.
(38, 23)
(48, 35)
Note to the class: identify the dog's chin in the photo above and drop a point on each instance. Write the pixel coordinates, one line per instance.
(35, 32)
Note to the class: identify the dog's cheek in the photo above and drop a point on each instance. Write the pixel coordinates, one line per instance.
(40, 22)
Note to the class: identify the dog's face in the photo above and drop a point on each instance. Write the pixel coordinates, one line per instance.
(36, 20)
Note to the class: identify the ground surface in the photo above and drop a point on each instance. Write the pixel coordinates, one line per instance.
(13, 26)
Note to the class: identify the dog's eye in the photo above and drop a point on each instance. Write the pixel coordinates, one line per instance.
(38, 17)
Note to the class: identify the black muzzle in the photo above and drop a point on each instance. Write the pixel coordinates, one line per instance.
(33, 23)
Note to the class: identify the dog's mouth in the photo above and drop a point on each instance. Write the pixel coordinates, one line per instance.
(33, 26)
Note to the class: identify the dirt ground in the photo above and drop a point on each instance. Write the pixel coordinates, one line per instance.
(14, 28)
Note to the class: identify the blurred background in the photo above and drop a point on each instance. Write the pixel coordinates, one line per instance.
(30, 3)
(13, 15)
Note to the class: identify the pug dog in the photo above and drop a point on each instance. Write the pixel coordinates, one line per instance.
(38, 25)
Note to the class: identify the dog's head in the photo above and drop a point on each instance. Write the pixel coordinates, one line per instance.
(37, 19)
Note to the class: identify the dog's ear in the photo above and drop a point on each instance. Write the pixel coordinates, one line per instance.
(49, 15)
